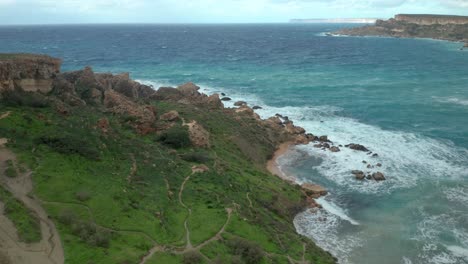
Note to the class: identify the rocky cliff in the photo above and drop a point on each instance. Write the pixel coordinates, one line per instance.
(432, 19)
(169, 175)
(450, 28)
(29, 72)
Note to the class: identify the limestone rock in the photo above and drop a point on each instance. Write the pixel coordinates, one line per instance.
(313, 190)
(240, 103)
(170, 116)
(378, 176)
(198, 135)
(357, 147)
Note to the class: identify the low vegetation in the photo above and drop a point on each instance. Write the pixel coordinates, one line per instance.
(116, 195)
(26, 223)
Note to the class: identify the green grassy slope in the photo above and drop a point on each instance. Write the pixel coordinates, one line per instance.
(115, 195)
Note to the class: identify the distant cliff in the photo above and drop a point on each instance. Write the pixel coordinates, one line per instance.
(452, 28)
(432, 19)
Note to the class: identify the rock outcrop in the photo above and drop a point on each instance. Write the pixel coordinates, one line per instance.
(313, 190)
(28, 72)
(452, 28)
(187, 94)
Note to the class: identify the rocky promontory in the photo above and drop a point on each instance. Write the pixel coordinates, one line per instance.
(451, 28)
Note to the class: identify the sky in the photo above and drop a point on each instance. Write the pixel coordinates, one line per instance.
(212, 11)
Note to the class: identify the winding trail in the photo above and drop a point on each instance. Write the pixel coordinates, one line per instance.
(49, 249)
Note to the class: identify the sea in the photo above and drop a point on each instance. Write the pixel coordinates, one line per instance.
(404, 99)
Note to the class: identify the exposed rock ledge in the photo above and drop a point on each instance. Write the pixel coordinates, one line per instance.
(451, 28)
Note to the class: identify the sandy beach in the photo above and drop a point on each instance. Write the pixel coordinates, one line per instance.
(274, 168)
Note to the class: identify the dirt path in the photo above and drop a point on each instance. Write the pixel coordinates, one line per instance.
(49, 249)
(133, 170)
(5, 115)
(188, 245)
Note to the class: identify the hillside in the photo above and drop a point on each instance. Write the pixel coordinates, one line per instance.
(452, 28)
(97, 168)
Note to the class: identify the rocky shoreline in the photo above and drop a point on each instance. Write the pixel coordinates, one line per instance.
(439, 28)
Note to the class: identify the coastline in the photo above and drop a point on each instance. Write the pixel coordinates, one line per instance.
(274, 168)
(338, 34)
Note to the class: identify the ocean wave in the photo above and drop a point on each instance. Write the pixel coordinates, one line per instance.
(451, 100)
(332, 208)
(434, 250)
(323, 227)
(457, 194)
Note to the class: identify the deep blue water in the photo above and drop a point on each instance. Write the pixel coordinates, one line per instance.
(406, 99)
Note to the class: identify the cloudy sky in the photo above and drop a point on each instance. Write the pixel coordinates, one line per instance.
(211, 11)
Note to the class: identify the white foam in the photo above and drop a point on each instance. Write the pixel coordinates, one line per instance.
(451, 100)
(322, 227)
(459, 251)
(336, 210)
(406, 157)
(457, 194)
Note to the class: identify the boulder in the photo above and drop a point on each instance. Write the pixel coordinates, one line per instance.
(294, 130)
(335, 149)
(275, 120)
(240, 103)
(313, 190)
(323, 139)
(378, 176)
(301, 139)
(170, 116)
(167, 94)
(257, 107)
(357, 147)
(245, 110)
(200, 168)
(214, 102)
(189, 89)
(198, 135)
(226, 99)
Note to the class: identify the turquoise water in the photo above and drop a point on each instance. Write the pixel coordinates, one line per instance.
(405, 99)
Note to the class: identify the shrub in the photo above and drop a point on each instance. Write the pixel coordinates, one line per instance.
(176, 137)
(67, 217)
(68, 144)
(197, 157)
(192, 257)
(11, 169)
(251, 253)
(82, 195)
(21, 98)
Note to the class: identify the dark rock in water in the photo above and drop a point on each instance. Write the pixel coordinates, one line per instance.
(326, 145)
(257, 107)
(226, 99)
(280, 116)
(323, 139)
(357, 147)
(335, 149)
(358, 174)
(375, 155)
(378, 176)
(318, 145)
(379, 165)
(370, 166)
(240, 103)
(223, 94)
(365, 162)
(369, 177)
(311, 137)
(340, 146)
